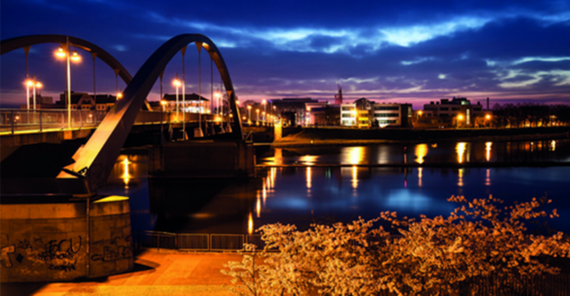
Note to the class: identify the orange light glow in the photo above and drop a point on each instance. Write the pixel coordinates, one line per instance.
(460, 149)
(309, 177)
(488, 150)
(421, 152)
(39, 85)
(163, 103)
(75, 57)
(354, 177)
(60, 53)
(29, 83)
(126, 177)
(250, 224)
(119, 95)
(176, 82)
(487, 116)
(460, 117)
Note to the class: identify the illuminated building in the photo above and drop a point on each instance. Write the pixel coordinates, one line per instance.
(456, 112)
(366, 113)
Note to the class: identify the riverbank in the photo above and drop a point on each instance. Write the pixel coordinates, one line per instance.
(344, 136)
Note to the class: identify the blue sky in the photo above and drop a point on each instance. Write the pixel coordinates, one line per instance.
(393, 51)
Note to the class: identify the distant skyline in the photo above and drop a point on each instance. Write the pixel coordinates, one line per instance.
(390, 51)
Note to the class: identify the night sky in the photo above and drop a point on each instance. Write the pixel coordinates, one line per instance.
(388, 51)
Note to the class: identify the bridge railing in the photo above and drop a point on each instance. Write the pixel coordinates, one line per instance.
(22, 120)
(14, 121)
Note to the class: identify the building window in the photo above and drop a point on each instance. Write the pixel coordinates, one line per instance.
(391, 108)
(346, 108)
(454, 109)
(443, 109)
(378, 115)
(349, 115)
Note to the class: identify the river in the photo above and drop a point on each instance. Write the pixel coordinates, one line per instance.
(327, 184)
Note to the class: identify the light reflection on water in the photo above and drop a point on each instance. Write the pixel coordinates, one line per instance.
(305, 194)
(423, 153)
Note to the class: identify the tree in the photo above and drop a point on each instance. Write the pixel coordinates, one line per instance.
(478, 239)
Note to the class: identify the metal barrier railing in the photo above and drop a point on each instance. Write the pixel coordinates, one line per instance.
(194, 241)
(48, 120)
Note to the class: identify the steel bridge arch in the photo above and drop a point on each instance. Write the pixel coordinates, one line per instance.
(12, 44)
(95, 160)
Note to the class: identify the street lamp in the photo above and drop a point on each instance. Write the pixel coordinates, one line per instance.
(257, 111)
(459, 118)
(177, 84)
(64, 52)
(36, 84)
(264, 103)
(218, 101)
(249, 112)
(119, 96)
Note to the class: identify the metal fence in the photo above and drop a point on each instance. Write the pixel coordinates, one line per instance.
(194, 241)
(20, 120)
(48, 120)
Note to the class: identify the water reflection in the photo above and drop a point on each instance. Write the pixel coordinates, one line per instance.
(126, 177)
(228, 206)
(309, 178)
(488, 150)
(354, 177)
(354, 155)
(460, 150)
(424, 154)
(421, 152)
(250, 224)
(308, 159)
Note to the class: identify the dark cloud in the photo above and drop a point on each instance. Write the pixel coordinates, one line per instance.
(304, 47)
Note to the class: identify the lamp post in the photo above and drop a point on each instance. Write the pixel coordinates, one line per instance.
(28, 83)
(257, 111)
(64, 52)
(459, 118)
(249, 113)
(264, 103)
(36, 84)
(177, 84)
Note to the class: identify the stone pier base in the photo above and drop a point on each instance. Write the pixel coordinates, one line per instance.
(53, 239)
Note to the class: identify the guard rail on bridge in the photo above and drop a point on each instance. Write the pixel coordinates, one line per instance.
(14, 121)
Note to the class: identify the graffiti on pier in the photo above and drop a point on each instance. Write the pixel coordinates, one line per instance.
(114, 249)
(65, 266)
(5, 258)
(56, 254)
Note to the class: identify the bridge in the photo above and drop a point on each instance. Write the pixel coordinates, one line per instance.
(107, 131)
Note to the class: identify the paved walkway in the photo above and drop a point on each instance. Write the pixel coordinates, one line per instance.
(161, 272)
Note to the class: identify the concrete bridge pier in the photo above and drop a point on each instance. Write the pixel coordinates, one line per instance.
(202, 159)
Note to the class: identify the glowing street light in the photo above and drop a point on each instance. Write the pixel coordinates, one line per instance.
(163, 104)
(249, 112)
(28, 84)
(177, 84)
(119, 96)
(264, 103)
(36, 84)
(61, 53)
(218, 101)
(257, 111)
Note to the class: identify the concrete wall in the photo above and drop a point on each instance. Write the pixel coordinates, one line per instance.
(48, 241)
(202, 159)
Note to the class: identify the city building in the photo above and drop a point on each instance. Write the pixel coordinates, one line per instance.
(293, 111)
(451, 113)
(192, 102)
(366, 113)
